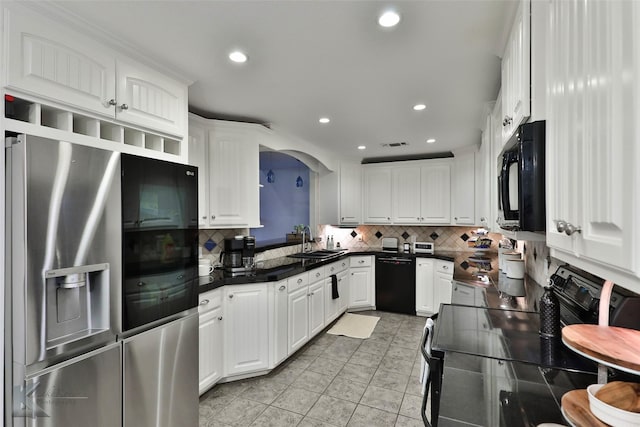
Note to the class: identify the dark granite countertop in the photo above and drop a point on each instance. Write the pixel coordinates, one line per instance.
(276, 269)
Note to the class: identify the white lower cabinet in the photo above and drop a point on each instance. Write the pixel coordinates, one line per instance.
(246, 328)
(434, 278)
(361, 282)
(335, 307)
(298, 318)
(424, 287)
(316, 308)
(278, 322)
(442, 288)
(210, 332)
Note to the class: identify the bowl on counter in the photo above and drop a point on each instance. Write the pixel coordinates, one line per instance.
(608, 414)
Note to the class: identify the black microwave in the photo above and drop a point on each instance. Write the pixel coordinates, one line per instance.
(521, 180)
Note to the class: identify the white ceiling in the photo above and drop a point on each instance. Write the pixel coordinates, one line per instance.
(309, 59)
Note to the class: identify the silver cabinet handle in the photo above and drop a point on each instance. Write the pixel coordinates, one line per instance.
(180, 277)
(204, 217)
(342, 218)
(231, 296)
(388, 218)
(344, 264)
(308, 295)
(111, 102)
(141, 283)
(482, 219)
(332, 268)
(124, 107)
(418, 218)
(213, 217)
(361, 261)
(204, 302)
(220, 318)
(318, 274)
(282, 288)
(561, 226)
(313, 293)
(455, 217)
(300, 280)
(445, 267)
(570, 229)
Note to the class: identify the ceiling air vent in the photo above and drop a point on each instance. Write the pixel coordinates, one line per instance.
(395, 144)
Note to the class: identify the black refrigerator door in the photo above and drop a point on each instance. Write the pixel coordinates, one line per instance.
(160, 239)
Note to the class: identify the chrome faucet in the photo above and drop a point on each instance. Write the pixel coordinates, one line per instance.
(306, 227)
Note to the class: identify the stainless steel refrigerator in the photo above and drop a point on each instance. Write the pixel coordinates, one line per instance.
(68, 359)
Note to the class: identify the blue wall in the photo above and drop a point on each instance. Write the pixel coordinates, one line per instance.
(282, 204)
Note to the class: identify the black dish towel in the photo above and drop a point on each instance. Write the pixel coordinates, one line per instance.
(334, 287)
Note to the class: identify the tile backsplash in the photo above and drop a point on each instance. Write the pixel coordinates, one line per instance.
(364, 237)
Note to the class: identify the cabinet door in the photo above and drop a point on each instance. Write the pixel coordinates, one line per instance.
(298, 318)
(316, 308)
(463, 294)
(406, 195)
(350, 193)
(377, 195)
(592, 132)
(435, 197)
(483, 182)
(51, 61)
(233, 178)
(148, 98)
(464, 189)
(360, 289)
(442, 289)
(280, 345)
(331, 306)
(424, 286)
(246, 329)
(198, 151)
(343, 290)
(210, 351)
(516, 72)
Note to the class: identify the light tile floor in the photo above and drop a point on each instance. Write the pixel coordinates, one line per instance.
(332, 381)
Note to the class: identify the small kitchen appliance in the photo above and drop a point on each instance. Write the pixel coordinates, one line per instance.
(424, 247)
(239, 254)
(389, 244)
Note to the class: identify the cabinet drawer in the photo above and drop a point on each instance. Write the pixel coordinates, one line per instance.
(296, 282)
(317, 274)
(336, 267)
(209, 300)
(360, 261)
(445, 267)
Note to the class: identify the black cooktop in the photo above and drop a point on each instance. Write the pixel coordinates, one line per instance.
(509, 335)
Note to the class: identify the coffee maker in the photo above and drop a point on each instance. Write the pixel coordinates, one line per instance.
(238, 255)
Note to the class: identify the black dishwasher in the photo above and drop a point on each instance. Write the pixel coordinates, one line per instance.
(396, 284)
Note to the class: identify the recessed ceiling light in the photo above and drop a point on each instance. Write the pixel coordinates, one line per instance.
(419, 107)
(324, 120)
(361, 147)
(388, 19)
(237, 56)
(430, 141)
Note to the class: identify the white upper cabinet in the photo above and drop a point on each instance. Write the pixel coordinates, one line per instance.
(464, 188)
(234, 176)
(435, 193)
(422, 193)
(148, 98)
(592, 137)
(53, 62)
(198, 156)
(377, 194)
(227, 156)
(350, 193)
(58, 65)
(516, 72)
(406, 206)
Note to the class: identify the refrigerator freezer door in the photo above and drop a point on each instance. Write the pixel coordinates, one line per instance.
(84, 391)
(161, 375)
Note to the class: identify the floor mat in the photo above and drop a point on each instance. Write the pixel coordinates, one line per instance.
(354, 326)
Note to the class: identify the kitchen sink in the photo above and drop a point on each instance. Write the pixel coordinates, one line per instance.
(320, 254)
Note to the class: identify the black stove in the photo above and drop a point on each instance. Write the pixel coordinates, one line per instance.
(579, 296)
